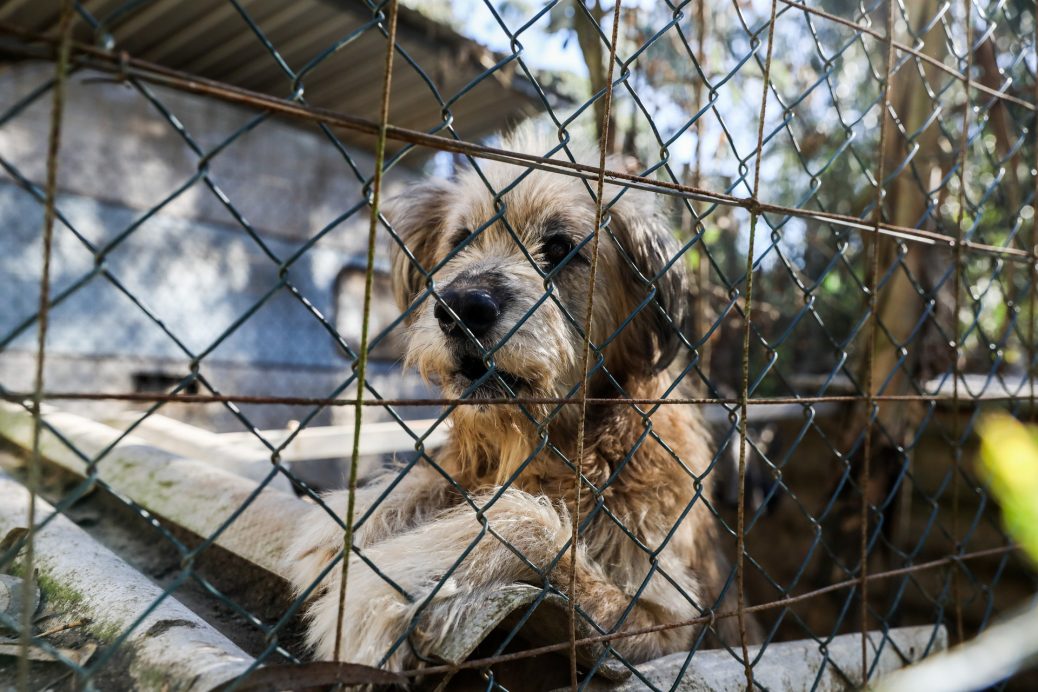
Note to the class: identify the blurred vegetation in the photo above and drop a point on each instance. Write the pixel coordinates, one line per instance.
(1008, 648)
(686, 111)
(1009, 451)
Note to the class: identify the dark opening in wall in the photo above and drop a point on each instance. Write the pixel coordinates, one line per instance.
(161, 382)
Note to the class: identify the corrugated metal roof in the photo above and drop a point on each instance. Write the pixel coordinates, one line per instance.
(210, 38)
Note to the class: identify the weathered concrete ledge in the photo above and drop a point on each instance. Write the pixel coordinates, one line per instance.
(323, 448)
(190, 493)
(200, 498)
(798, 665)
(1005, 648)
(171, 648)
(250, 460)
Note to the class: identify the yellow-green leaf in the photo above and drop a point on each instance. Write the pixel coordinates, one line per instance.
(1009, 451)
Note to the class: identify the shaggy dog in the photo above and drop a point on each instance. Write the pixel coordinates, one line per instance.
(513, 296)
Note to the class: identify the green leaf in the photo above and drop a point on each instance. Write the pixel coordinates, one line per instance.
(1009, 452)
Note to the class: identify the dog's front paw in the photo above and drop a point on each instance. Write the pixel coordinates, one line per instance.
(367, 624)
(373, 614)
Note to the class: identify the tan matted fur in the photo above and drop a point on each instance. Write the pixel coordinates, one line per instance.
(418, 532)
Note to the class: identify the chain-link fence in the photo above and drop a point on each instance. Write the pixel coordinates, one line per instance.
(708, 395)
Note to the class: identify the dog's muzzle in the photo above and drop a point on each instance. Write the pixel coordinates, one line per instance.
(477, 309)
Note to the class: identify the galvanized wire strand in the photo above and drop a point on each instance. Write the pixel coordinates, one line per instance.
(578, 472)
(784, 602)
(145, 71)
(740, 535)
(61, 70)
(362, 356)
(873, 285)
(956, 341)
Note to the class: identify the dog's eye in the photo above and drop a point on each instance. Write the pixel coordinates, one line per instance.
(555, 249)
(459, 236)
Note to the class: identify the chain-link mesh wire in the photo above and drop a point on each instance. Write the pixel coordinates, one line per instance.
(880, 198)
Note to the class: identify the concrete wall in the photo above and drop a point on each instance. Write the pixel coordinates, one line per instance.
(191, 264)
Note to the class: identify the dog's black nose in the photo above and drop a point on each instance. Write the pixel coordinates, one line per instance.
(477, 309)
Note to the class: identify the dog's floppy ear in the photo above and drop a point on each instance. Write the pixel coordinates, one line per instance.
(418, 216)
(649, 258)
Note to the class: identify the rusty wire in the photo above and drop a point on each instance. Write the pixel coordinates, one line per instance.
(126, 66)
(369, 274)
(259, 400)
(34, 471)
(1032, 270)
(740, 530)
(596, 234)
(872, 288)
(707, 619)
(956, 345)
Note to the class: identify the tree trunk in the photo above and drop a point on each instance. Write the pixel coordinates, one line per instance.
(595, 53)
(905, 356)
